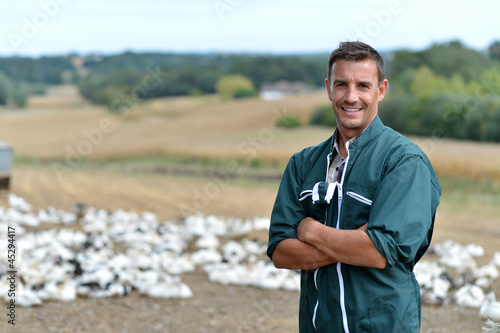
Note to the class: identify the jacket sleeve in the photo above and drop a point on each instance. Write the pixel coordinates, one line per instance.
(287, 211)
(403, 210)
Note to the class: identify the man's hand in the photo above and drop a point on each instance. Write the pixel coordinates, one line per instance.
(307, 229)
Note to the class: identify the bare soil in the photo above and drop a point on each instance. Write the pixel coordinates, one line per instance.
(214, 307)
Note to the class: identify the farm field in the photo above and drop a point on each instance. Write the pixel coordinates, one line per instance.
(178, 156)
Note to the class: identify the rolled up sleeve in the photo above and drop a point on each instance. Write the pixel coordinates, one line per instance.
(403, 210)
(287, 211)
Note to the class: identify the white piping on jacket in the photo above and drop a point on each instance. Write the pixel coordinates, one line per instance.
(317, 269)
(316, 192)
(339, 271)
(359, 198)
(305, 194)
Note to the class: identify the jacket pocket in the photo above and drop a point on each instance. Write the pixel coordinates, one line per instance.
(384, 319)
(356, 206)
(359, 197)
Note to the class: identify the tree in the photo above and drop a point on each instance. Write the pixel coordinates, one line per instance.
(20, 95)
(4, 89)
(443, 59)
(426, 83)
(229, 86)
(456, 84)
(492, 131)
(323, 115)
(489, 82)
(395, 110)
(494, 50)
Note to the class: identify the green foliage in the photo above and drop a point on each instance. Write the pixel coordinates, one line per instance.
(106, 96)
(234, 86)
(4, 89)
(395, 109)
(17, 92)
(196, 92)
(268, 69)
(185, 73)
(489, 82)
(37, 89)
(245, 92)
(494, 50)
(443, 59)
(492, 127)
(457, 84)
(105, 89)
(444, 114)
(425, 83)
(45, 70)
(20, 94)
(288, 121)
(323, 115)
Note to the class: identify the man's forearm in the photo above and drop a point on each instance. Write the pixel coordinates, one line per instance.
(353, 247)
(292, 253)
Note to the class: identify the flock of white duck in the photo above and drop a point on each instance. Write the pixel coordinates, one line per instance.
(99, 253)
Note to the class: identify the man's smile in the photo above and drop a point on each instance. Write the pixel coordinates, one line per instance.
(351, 109)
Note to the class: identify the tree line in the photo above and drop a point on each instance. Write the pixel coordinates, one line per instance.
(193, 74)
(447, 89)
(21, 77)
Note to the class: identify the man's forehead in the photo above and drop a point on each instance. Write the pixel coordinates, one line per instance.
(362, 70)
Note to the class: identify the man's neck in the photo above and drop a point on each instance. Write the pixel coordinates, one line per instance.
(342, 138)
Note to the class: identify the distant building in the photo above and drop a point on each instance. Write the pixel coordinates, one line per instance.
(6, 158)
(282, 89)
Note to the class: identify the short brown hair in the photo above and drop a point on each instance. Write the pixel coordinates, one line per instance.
(357, 51)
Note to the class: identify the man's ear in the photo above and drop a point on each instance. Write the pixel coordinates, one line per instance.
(328, 89)
(382, 89)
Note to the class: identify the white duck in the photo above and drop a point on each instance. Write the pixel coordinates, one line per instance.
(18, 203)
(490, 309)
(470, 296)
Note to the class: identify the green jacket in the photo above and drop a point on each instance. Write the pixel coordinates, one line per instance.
(388, 183)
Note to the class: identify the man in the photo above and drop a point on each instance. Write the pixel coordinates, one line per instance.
(356, 212)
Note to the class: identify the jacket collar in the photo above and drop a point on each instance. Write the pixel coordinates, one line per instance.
(369, 134)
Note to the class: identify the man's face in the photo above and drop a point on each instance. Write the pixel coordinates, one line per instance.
(355, 93)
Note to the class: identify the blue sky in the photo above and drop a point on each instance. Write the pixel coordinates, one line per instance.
(48, 27)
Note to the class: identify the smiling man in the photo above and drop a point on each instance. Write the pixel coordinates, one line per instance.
(356, 212)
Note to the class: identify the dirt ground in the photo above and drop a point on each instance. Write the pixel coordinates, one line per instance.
(214, 307)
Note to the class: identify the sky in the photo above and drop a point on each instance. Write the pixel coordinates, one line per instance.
(59, 27)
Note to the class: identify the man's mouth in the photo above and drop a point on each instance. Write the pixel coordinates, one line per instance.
(351, 109)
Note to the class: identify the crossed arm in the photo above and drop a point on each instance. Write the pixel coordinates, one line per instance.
(318, 245)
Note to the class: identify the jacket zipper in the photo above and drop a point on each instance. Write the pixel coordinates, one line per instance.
(339, 264)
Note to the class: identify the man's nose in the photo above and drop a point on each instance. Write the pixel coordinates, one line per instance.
(351, 95)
